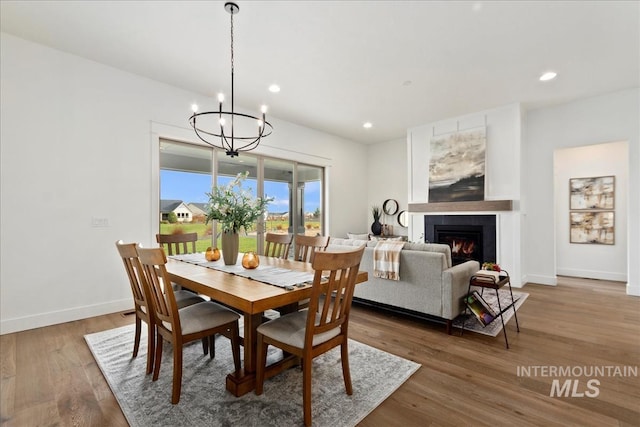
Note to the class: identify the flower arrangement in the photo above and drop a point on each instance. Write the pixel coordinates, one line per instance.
(491, 266)
(234, 207)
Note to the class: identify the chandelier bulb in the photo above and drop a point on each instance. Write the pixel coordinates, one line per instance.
(263, 109)
(194, 108)
(222, 122)
(221, 97)
(260, 123)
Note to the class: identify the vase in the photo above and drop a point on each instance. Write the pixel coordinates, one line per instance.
(250, 260)
(376, 228)
(230, 244)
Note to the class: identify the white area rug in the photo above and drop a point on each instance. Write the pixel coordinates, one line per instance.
(205, 401)
(472, 324)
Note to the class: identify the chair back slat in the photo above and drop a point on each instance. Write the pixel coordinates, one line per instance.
(307, 246)
(332, 291)
(277, 245)
(129, 254)
(176, 244)
(163, 299)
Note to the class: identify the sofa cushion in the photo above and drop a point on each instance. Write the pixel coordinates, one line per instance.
(354, 236)
(431, 247)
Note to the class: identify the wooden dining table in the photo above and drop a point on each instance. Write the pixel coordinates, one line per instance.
(252, 298)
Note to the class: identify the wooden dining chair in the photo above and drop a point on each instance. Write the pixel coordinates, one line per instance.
(142, 300)
(191, 323)
(142, 306)
(278, 245)
(176, 244)
(306, 246)
(323, 326)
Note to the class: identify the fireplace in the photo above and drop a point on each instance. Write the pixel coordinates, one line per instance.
(471, 237)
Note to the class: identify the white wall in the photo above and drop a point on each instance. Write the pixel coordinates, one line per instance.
(607, 262)
(387, 179)
(77, 141)
(502, 175)
(608, 118)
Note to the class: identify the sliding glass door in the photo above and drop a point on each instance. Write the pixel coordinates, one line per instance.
(187, 173)
(185, 177)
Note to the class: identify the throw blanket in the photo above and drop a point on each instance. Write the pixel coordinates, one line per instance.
(386, 259)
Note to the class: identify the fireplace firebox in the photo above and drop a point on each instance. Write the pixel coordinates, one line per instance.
(471, 237)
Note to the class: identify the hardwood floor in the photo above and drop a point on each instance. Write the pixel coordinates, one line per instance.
(49, 376)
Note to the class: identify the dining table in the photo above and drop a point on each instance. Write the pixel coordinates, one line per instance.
(243, 291)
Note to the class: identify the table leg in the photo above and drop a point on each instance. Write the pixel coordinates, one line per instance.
(251, 323)
(504, 330)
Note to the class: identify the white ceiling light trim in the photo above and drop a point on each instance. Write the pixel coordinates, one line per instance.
(549, 75)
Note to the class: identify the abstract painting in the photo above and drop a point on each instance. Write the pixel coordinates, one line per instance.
(596, 227)
(457, 166)
(592, 193)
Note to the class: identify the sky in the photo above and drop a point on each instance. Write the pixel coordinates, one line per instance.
(192, 187)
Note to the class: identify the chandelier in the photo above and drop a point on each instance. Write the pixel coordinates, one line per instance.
(211, 125)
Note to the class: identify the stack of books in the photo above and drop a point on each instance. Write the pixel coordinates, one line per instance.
(479, 307)
(488, 276)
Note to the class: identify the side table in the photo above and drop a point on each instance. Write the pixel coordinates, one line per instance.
(483, 281)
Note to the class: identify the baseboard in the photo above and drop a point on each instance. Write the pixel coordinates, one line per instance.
(592, 274)
(633, 290)
(18, 324)
(540, 280)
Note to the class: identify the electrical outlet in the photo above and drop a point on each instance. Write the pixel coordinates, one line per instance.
(99, 222)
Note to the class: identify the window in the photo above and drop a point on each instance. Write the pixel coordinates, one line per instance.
(188, 171)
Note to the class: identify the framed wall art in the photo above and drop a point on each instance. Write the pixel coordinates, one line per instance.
(596, 227)
(457, 166)
(592, 193)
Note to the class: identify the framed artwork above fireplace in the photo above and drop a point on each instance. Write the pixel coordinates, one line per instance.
(457, 166)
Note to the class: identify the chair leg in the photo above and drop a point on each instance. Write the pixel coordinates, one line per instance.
(136, 340)
(306, 390)
(261, 362)
(151, 347)
(212, 346)
(346, 373)
(205, 345)
(158, 359)
(177, 372)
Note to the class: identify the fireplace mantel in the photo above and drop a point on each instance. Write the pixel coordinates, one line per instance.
(478, 206)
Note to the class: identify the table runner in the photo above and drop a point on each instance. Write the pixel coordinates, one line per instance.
(276, 276)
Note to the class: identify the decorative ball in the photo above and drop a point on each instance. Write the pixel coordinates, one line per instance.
(212, 254)
(250, 260)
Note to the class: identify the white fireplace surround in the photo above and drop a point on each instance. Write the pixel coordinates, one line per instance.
(502, 182)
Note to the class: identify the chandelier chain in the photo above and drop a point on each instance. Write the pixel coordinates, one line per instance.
(231, 43)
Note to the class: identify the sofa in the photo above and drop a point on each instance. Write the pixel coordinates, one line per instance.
(429, 284)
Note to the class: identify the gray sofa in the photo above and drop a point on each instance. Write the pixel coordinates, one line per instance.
(428, 283)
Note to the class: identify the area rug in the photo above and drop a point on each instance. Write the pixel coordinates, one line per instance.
(205, 401)
(472, 324)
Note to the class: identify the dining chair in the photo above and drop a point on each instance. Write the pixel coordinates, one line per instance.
(176, 244)
(323, 326)
(142, 300)
(306, 246)
(278, 245)
(178, 327)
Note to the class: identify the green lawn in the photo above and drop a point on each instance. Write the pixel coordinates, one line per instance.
(247, 242)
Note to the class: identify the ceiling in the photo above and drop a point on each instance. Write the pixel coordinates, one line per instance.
(397, 64)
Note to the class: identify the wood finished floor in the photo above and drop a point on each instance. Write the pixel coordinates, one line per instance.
(49, 377)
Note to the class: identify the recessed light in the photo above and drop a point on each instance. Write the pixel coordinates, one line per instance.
(549, 75)
(367, 125)
(274, 88)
